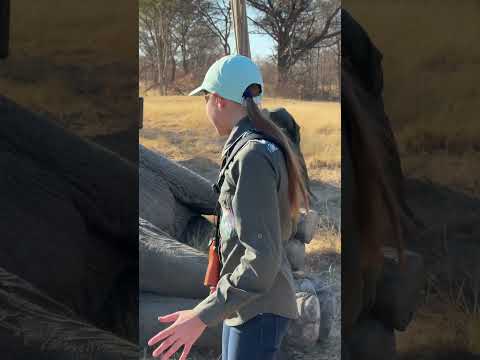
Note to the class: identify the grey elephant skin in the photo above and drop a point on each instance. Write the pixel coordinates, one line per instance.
(70, 233)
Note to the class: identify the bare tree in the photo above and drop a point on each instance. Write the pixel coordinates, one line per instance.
(216, 15)
(296, 26)
(155, 37)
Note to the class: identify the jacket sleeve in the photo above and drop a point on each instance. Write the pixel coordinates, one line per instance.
(257, 224)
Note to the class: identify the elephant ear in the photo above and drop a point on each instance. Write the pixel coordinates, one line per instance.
(283, 119)
(4, 28)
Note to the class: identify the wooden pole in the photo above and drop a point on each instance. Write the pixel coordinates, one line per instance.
(4, 28)
(239, 11)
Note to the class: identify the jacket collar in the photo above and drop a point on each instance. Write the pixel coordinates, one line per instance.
(238, 130)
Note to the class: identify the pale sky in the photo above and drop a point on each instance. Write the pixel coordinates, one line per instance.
(261, 46)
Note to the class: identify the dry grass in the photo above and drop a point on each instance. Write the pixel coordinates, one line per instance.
(177, 126)
(431, 84)
(63, 62)
(431, 96)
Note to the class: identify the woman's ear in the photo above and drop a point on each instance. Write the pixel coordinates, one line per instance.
(219, 101)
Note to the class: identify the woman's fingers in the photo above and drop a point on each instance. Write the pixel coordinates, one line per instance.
(164, 346)
(172, 350)
(169, 318)
(168, 331)
(161, 335)
(186, 351)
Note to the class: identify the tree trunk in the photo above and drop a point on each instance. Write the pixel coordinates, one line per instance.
(282, 70)
(186, 70)
(174, 68)
(160, 80)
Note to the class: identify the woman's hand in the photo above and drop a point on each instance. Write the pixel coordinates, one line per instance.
(185, 330)
(212, 289)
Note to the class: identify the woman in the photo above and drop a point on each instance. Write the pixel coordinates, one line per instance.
(260, 199)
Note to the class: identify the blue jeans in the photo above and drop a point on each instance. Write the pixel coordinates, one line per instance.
(257, 339)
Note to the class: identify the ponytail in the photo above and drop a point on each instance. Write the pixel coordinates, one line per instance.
(296, 184)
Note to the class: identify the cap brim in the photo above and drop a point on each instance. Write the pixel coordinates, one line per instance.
(196, 91)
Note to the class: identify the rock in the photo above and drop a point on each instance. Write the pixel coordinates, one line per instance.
(296, 254)
(371, 340)
(399, 290)
(168, 267)
(328, 311)
(304, 284)
(305, 331)
(328, 305)
(307, 226)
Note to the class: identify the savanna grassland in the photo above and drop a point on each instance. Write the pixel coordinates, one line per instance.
(177, 127)
(431, 72)
(75, 61)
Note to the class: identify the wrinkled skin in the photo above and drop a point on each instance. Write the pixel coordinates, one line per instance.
(68, 226)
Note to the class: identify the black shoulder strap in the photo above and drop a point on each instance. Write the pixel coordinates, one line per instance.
(235, 148)
(227, 159)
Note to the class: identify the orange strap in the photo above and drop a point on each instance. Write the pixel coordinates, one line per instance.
(212, 275)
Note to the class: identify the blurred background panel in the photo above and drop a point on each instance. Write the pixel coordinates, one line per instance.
(76, 61)
(431, 67)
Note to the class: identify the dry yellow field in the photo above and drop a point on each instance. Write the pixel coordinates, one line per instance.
(431, 96)
(177, 127)
(77, 63)
(431, 74)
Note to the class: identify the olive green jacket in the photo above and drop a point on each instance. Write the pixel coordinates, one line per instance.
(255, 224)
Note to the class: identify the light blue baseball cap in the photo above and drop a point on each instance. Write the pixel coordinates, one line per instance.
(230, 76)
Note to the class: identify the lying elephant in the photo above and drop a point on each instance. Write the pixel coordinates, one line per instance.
(69, 228)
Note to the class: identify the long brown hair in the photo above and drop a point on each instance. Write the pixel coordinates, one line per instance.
(297, 189)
